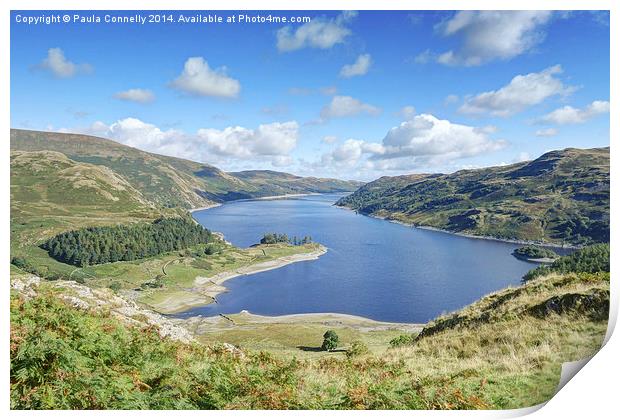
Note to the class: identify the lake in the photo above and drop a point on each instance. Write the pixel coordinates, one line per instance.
(373, 268)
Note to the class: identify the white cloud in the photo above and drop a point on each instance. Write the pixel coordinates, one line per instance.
(487, 129)
(136, 133)
(330, 139)
(349, 153)
(282, 161)
(490, 35)
(276, 110)
(522, 91)
(142, 96)
(268, 142)
(328, 90)
(570, 115)
(301, 91)
(346, 106)
(322, 33)
(422, 141)
(199, 79)
(426, 137)
(271, 140)
(359, 68)
(57, 63)
(546, 132)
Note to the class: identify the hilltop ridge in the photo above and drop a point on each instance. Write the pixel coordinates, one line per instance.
(173, 182)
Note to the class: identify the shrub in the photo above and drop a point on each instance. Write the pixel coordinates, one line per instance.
(401, 340)
(212, 249)
(358, 348)
(330, 340)
(19, 262)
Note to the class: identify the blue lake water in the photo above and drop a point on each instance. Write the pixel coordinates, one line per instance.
(374, 268)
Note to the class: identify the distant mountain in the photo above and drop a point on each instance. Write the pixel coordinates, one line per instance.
(563, 196)
(171, 182)
(279, 183)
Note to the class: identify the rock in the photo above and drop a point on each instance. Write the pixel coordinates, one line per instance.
(25, 285)
(85, 298)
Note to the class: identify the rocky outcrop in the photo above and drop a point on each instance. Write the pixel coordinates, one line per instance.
(87, 298)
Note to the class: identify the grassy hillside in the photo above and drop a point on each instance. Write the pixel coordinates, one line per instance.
(504, 351)
(52, 193)
(168, 181)
(563, 196)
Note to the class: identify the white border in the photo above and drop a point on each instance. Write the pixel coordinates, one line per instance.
(592, 394)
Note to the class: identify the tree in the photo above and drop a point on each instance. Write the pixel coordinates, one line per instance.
(100, 245)
(591, 259)
(330, 340)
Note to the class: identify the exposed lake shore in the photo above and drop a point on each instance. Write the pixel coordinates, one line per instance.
(210, 206)
(210, 287)
(327, 319)
(269, 197)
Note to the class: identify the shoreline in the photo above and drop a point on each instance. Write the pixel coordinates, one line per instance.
(210, 206)
(332, 319)
(276, 197)
(466, 235)
(211, 287)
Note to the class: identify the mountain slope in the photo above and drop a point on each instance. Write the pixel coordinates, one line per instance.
(563, 196)
(279, 183)
(164, 180)
(51, 193)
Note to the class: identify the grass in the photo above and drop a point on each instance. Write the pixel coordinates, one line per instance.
(62, 357)
(296, 336)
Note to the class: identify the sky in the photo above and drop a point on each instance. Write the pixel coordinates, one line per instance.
(352, 95)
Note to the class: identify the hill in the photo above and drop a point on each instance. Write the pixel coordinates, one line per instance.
(75, 348)
(281, 183)
(51, 193)
(561, 197)
(106, 187)
(167, 181)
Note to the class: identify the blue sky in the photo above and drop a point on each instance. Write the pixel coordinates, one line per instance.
(348, 94)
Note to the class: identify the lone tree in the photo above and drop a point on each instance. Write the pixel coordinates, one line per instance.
(330, 340)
